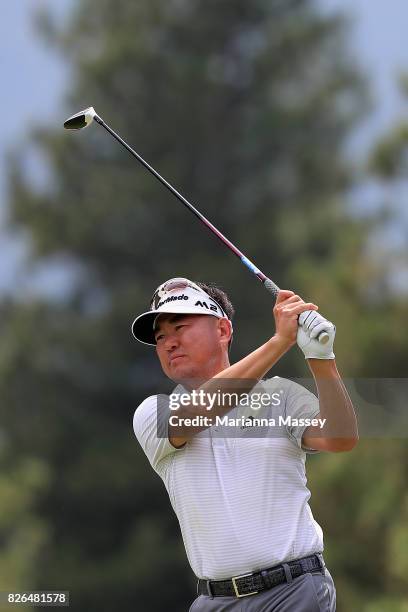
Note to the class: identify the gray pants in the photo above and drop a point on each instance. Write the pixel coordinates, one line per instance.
(307, 593)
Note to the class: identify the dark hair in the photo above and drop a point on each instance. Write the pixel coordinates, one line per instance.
(219, 295)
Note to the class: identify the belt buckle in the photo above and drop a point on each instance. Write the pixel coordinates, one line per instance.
(234, 584)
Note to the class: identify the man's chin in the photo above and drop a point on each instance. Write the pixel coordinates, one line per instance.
(185, 375)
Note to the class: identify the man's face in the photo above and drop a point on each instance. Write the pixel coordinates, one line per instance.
(191, 346)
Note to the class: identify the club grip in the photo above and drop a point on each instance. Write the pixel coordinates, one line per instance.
(273, 288)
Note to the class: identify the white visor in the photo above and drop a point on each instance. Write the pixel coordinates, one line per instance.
(190, 299)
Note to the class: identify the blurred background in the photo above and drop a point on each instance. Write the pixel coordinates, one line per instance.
(285, 122)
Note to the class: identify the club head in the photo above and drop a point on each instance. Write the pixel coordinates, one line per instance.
(80, 120)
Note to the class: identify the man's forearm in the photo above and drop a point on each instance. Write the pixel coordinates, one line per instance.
(258, 363)
(340, 429)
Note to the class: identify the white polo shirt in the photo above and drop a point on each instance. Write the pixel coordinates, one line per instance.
(239, 493)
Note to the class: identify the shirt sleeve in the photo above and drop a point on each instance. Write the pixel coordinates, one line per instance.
(300, 404)
(150, 424)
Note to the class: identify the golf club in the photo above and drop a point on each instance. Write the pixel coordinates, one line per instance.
(85, 117)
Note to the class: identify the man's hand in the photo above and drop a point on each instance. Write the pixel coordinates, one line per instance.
(287, 309)
(310, 326)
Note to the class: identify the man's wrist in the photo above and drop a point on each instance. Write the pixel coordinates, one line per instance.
(282, 342)
(322, 366)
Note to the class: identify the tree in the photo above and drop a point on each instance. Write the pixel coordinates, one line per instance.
(245, 107)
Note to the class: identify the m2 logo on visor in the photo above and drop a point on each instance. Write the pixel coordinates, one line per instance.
(203, 304)
(172, 298)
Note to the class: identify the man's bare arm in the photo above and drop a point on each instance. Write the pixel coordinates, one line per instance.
(340, 431)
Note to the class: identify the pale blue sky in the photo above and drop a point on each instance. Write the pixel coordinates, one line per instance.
(34, 74)
(379, 36)
(34, 79)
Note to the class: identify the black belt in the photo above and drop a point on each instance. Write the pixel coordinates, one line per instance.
(250, 584)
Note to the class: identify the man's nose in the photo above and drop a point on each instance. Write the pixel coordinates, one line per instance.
(170, 342)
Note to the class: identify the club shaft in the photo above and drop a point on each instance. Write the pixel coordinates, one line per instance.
(270, 285)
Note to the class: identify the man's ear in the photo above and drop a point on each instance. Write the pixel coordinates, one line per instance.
(225, 330)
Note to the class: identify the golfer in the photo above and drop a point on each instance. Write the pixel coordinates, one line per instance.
(230, 447)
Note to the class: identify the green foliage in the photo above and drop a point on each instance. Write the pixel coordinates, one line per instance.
(361, 503)
(389, 158)
(245, 107)
(24, 533)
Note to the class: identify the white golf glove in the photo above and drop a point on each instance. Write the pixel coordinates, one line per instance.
(311, 324)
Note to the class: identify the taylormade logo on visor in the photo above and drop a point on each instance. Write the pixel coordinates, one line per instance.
(172, 298)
